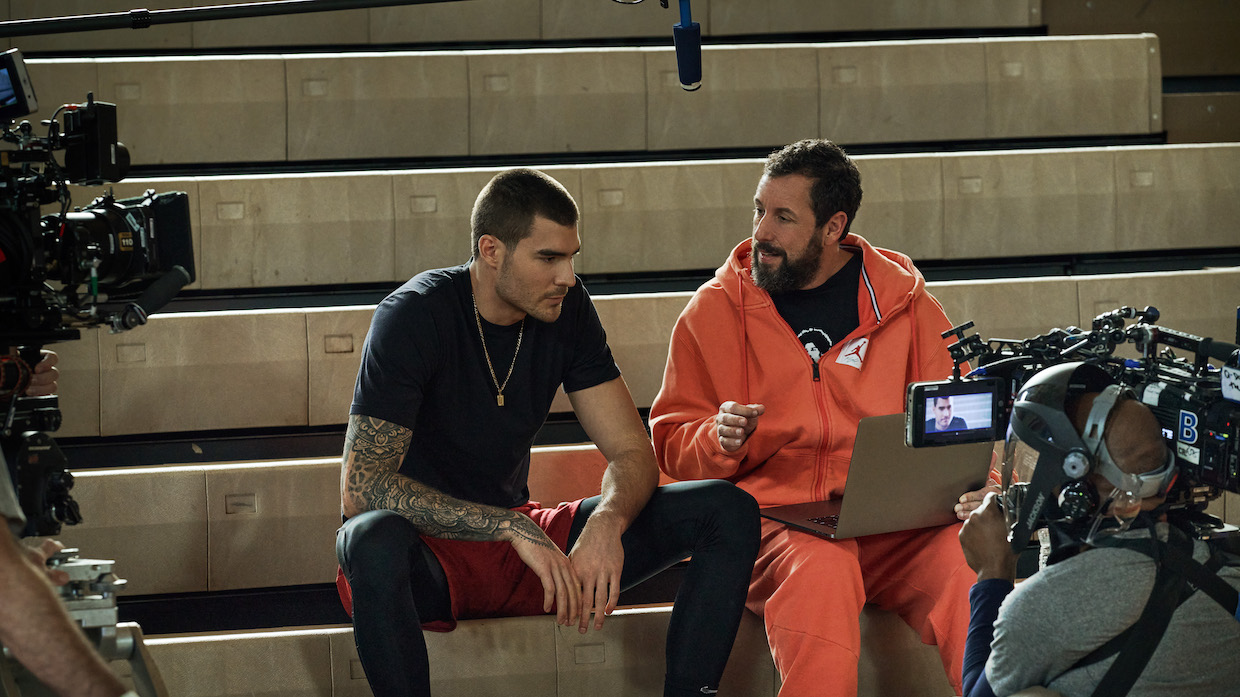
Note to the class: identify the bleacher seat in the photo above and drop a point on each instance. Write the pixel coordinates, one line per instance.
(486, 657)
(252, 369)
(274, 108)
(257, 231)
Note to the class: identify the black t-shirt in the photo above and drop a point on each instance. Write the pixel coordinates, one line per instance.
(423, 368)
(823, 316)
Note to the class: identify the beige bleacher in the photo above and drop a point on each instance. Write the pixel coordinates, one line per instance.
(294, 107)
(275, 368)
(1198, 36)
(231, 526)
(255, 231)
(482, 658)
(261, 524)
(265, 524)
(254, 369)
(514, 20)
(244, 525)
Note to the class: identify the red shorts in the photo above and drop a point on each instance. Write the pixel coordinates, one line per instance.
(488, 579)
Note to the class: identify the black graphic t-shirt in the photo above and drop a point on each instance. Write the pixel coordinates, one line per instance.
(824, 315)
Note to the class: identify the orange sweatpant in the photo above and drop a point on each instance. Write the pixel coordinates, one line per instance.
(810, 590)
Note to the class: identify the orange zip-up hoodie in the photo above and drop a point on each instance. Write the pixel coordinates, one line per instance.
(730, 343)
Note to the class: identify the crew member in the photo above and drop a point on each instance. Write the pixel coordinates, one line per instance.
(1080, 624)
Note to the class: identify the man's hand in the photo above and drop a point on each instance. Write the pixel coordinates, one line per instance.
(971, 501)
(43, 379)
(984, 540)
(38, 556)
(735, 423)
(560, 584)
(598, 559)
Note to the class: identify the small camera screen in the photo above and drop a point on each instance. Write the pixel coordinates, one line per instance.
(953, 411)
(8, 94)
(16, 95)
(961, 412)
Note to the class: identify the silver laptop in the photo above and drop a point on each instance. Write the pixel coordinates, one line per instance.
(892, 487)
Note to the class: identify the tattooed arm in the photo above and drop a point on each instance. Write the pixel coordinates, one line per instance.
(370, 481)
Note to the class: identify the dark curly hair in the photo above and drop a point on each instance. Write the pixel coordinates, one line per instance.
(836, 181)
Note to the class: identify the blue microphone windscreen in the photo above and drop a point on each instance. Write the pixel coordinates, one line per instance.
(688, 42)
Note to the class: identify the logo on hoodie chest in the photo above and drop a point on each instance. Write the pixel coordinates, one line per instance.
(853, 352)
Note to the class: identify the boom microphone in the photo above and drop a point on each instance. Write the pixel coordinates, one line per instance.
(688, 39)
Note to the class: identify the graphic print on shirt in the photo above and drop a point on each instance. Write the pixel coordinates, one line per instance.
(853, 352)
(815, 341)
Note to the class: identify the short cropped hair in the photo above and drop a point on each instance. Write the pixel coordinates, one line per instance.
(836, 181)
(506, 206)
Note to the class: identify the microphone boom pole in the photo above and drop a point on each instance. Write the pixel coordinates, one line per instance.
(141, 19)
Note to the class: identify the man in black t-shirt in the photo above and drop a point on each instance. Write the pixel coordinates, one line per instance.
(458, 373)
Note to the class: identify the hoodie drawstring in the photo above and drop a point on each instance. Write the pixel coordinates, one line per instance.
(740, 289)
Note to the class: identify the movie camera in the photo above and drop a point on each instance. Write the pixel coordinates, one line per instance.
(1197, 404)
(111, 263)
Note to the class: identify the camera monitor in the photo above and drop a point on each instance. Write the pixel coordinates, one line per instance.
(953, 411)
(16, 93)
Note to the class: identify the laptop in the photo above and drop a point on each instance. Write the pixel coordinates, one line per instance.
(892, 487)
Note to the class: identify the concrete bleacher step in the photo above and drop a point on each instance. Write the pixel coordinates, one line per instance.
(1202, 117)
(222, 527)
(298, 107)
(485, 657)
(187, 372)
(257, 231)
(1198, 36)
(243, 525)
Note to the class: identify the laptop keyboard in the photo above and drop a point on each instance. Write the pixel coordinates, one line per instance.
(830, 521)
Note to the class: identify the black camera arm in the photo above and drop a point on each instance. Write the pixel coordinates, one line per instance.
(142, 19)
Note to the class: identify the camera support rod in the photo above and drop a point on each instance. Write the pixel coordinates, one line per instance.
(141, 19)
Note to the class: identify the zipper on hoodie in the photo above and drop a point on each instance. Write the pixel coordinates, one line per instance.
(817, 376)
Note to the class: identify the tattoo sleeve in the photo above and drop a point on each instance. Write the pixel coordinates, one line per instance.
(373, 452)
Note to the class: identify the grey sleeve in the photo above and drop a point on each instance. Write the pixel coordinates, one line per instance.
(1063, 613)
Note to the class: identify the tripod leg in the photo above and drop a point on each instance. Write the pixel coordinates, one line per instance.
(147, 680)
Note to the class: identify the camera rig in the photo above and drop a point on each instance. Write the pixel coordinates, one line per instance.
(1196, 404)
(110, 263)
(89, 597)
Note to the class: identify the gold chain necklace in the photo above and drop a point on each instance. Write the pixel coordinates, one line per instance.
(499, 389)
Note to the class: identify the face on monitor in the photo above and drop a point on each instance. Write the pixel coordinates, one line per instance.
(959, 411)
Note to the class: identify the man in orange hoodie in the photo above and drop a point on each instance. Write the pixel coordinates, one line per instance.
(803, 331)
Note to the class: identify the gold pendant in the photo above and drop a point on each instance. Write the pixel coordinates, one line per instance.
(499, 400)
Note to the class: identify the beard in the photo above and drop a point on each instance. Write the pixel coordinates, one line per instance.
(512, 291)
(789, 274)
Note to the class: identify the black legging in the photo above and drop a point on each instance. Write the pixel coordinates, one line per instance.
(397, 583)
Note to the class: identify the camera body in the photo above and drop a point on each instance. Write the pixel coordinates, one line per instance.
(112, 263)
(84, 267)
(1201, 425)
(1196, 404)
